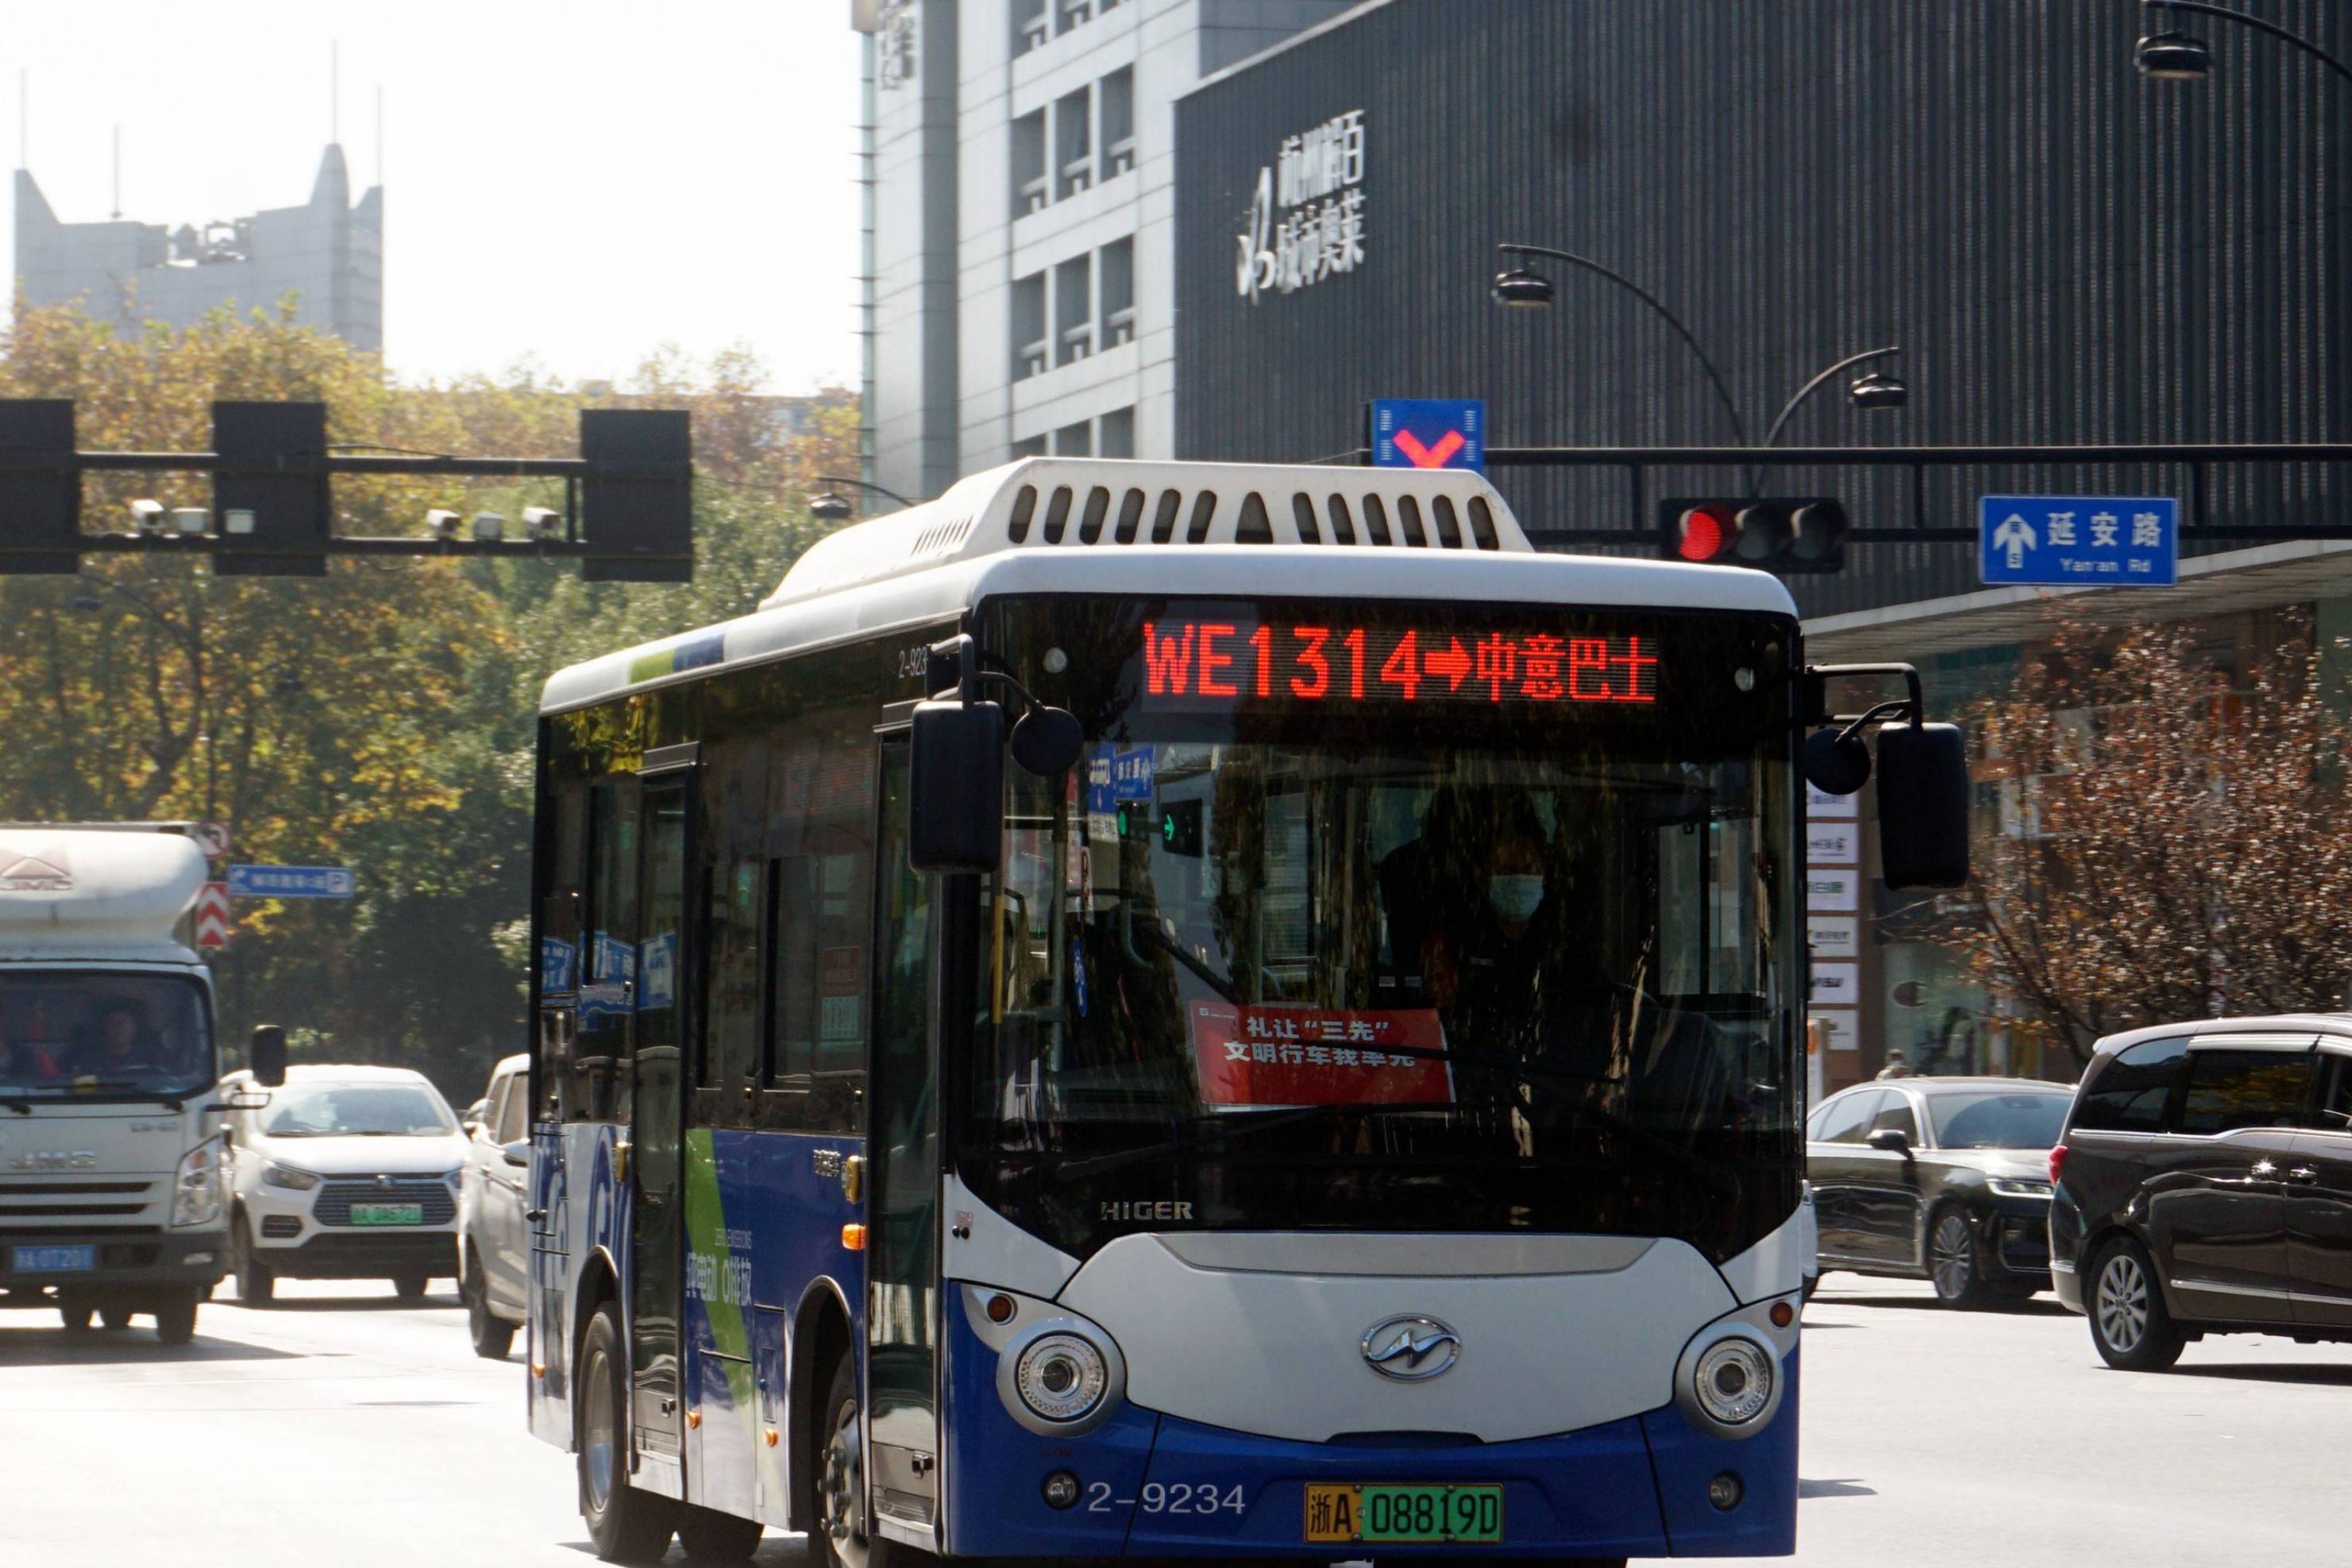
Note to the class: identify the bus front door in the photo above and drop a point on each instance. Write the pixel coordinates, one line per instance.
(902, 1208)
(657, 1120)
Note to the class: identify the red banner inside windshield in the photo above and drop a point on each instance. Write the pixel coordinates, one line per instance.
(1262, 1056)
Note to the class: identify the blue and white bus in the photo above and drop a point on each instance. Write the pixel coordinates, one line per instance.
(1334, 1091)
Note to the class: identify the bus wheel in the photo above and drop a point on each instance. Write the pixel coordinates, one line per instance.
(175, 1317)
(625, 1525)
(841, 1534)
(709, 1536)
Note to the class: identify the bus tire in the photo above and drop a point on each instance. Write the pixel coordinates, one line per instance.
(710, 1536)
(624, 1525)
(175, 1316)
(842, 1538)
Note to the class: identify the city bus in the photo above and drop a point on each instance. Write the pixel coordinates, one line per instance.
(1149, 1009)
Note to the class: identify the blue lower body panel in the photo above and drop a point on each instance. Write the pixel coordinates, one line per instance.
(1154, 1485)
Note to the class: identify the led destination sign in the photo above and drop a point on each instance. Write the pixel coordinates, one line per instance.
(1202, 664)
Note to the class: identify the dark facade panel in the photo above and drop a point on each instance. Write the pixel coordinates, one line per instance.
(2067, 253)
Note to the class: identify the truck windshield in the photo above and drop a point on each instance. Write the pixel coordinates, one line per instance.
(1383, 968)
(67, 1033)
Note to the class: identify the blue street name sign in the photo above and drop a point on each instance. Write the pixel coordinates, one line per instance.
(290, 882)
(1429, 433)
(2079, 541)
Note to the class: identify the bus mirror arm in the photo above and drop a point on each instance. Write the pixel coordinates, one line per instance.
(1923, 776)
(1047, 740)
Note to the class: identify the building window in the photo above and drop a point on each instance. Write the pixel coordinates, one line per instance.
(1031, 352)
(1074, 144)
(1077, 13)
(1116, 109)
(1033, 447)
(1032, 25)
(1119, 293)
(1117, 437)
(1074, 441)
(1032, 188)
(1074, 310)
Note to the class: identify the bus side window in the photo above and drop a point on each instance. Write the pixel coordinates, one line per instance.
(608, 958)
(562, 894)
(736, 901)
(821, 815)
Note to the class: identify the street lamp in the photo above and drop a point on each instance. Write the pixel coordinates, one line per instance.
(829, 508)
(2174, 56)
(1875, 391)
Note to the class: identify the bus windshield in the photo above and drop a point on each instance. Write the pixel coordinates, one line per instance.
(1509, 963)
(102, 1033)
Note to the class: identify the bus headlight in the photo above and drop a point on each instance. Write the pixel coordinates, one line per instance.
(1061, 1377)
(197, 1185)
(1735, 1381)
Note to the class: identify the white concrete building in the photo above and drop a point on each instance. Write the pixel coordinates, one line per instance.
(1020, 166)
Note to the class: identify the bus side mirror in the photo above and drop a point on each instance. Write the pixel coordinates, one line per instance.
(1923, 805)
(266, 1056)
(955, 807)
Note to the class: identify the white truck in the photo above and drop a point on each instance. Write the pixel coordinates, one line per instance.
(112, 1192)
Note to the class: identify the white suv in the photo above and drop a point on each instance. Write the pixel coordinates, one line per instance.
(346, 1172)
(493, 1239)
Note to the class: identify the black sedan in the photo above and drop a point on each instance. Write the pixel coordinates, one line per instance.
(1942, 1179)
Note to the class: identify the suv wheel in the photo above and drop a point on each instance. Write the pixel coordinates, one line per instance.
(1952, 1259)
(256, 1281)
(493, 1336)
(2128, 1322)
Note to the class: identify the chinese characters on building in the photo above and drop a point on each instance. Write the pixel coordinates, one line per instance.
(1307, 215)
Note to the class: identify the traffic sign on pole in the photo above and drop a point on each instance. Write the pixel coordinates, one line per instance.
(213, 921)
(212, 838)
(290, 882)
(2079, 541)
(1429, 433)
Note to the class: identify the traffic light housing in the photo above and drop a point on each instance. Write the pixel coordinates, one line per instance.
(40, 513)
(283, 518)
(636, 499)
(1787, 537)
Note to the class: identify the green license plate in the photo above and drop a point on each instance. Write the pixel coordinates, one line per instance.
(387, 1214)
(1464, 1514)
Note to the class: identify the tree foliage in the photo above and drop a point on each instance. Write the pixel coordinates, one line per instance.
(2171, 841)
(382, 716)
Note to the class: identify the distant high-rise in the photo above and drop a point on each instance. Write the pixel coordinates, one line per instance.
(328, 253)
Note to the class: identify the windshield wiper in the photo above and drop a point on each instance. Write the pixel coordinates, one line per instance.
(22, 1107)
(172, 1098)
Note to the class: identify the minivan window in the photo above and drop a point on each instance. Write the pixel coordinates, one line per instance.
(2130, 1092)
(1845, 1120)
(511, 1124)
(2232, 1089)
(2334, 1112)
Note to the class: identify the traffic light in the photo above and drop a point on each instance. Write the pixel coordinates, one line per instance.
(636, 499)
(40, 513)
(272, 523)
(1781, 536)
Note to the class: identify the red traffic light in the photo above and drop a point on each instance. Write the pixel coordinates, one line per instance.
(1704, 532)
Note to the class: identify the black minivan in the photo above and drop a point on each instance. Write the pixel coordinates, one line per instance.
(2203, 1184)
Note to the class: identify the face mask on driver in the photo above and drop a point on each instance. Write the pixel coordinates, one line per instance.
(1516, 898)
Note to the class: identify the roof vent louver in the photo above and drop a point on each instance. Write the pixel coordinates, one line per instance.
(1255, 527)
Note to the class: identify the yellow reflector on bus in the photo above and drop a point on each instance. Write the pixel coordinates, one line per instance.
(853, 1236)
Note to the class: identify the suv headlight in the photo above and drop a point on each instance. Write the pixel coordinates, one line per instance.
(197, 1198)
(2018, 1186)
(275, 1175)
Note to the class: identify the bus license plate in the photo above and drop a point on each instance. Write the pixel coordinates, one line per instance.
(1469, 1514)
(53, 1260)
(387, 1214)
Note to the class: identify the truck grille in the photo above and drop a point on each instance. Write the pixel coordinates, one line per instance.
(63, 1202)
(334, 1204)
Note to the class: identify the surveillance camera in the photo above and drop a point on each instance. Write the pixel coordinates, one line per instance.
(489, 527)
(443, 522)
(542, 522)
(190, 520)
(147, 516)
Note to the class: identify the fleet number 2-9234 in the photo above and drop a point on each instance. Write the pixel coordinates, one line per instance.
(1180, 1497)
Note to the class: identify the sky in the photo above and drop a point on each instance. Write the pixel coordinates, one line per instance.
(568, 182)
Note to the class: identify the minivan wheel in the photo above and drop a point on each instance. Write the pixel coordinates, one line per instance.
(257, 1282)
(2129, 1324)
(493, 1336)
(1952, 1259)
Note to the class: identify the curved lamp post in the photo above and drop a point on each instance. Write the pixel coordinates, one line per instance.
(1871, 392)
(2174, 56)
(826, 507)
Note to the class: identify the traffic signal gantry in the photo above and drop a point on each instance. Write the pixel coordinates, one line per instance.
(627, 512)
